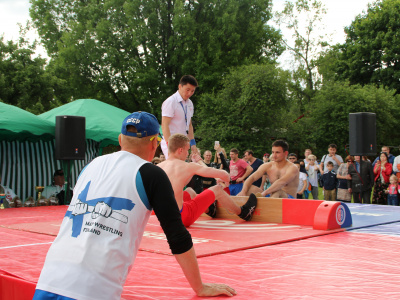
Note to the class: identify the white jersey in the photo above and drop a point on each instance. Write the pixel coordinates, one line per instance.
(101, 231)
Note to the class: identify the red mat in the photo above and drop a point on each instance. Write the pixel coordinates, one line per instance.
(210, 236)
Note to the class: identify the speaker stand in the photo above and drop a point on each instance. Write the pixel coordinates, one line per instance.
(67, 196)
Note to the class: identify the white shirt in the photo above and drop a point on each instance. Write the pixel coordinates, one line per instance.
(101, 231)
(51, 190)
(302, 177)
(176, 108)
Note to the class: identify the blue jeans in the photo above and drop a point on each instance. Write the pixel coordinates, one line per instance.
(393, 200)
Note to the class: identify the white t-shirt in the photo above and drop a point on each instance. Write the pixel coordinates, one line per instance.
(96, 246)
(176, 108)
(327, 158)
(302, 177)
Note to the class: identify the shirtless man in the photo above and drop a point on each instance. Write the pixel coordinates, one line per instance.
(180, 173)
(283, 175)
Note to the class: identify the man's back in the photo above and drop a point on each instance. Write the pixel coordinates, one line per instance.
(104, 216)
(179, 173)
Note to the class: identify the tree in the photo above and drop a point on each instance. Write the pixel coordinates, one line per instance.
(329, 114)
(24, 81)
(249, 111)
(371, 51)
(303, 18)
(131, 53)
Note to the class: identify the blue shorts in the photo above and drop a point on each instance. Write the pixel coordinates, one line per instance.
(43, 295)
(236, 188)
(289, 197)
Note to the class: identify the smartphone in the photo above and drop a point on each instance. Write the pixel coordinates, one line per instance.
(216, 143)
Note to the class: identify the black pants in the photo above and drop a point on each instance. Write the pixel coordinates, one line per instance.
(362, 197)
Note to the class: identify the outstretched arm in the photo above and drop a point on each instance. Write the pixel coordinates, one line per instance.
(190, 268)
(253, 177)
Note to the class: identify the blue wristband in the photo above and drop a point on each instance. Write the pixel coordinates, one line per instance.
(192, 142)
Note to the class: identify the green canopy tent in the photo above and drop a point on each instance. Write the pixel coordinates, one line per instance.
(103, 121)
(18, 124)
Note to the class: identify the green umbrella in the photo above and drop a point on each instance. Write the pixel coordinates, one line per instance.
(17, 124)
(103, 121)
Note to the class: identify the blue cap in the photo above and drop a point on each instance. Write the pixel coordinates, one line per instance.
(145, 123)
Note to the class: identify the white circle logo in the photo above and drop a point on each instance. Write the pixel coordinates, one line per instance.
(340, 215)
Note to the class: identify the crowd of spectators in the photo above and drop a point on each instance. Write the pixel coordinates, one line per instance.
(352, 179)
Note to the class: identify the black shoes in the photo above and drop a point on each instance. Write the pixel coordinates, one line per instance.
(212, 210)
(248, 208)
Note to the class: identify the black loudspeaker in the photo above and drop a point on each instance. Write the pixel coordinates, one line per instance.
(362, 133)
(70, 137)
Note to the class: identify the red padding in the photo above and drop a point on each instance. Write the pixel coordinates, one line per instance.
(13, 288)
(299, 211)
(325, 216)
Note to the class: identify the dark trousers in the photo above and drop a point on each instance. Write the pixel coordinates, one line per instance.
(362, 197)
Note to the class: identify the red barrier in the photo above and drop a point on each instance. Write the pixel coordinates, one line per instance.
(322, 215)
(13, 288)
(299, 211)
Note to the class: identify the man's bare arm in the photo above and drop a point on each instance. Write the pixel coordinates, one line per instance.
(190, 268)
(209, 172)
(291, 174)
(253, 177)
(165, 127)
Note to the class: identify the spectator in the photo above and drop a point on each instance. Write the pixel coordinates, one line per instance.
(162, 157)
(396, 166)
(220, 161)
(312, 171)
(392, 191)
(307, 153)
(292, 157)
(208, 182)
(255, 163)
(343, 193)
(329, 182)
(382, 172)
(303, 183)
(9, 198)
(266, 158)
(336, 159)
(239, 170)
(391, 157)
(56, 189)
(360, 180)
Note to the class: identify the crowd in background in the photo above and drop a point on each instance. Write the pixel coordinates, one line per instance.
(353, 179)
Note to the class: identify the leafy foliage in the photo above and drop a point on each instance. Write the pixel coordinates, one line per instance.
(131, 53)
(303, 18)
(24, 82)
(329, 114)
(248, 111)
(371, 51)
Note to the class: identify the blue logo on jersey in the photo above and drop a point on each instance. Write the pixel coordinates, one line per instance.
(108, 207)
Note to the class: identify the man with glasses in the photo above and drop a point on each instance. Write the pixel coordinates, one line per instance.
(292, 157)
